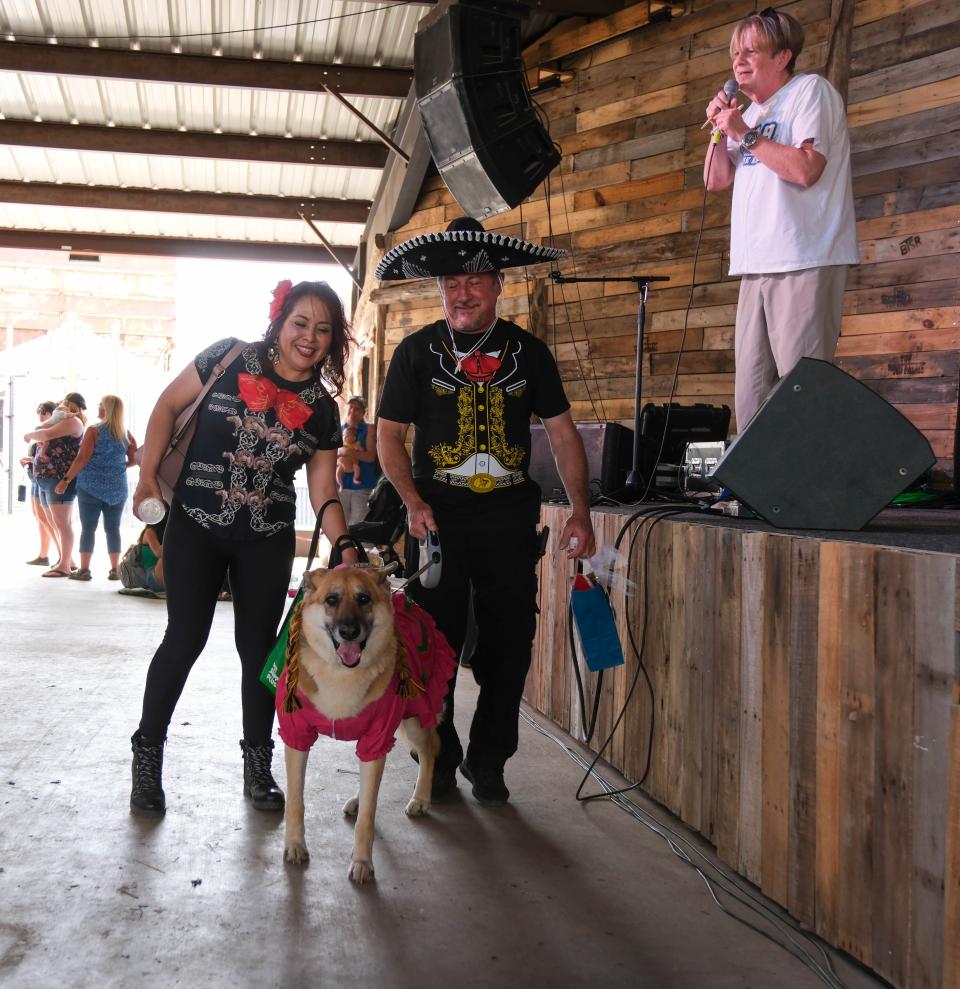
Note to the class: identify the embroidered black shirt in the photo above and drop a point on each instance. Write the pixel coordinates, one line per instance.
(471, 414)
(238, 476)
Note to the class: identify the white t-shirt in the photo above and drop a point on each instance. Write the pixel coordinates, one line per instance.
(776, 225)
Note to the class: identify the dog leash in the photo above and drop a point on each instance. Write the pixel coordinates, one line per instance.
(414, 576)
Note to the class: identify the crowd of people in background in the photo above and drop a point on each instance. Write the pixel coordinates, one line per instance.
(69, 461)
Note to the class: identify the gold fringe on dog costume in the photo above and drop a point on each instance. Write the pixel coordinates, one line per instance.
(407, 687)
(291, 702)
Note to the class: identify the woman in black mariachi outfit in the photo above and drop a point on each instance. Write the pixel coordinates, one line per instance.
(233, 513)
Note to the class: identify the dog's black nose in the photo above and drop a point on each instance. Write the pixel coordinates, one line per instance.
(349, 631)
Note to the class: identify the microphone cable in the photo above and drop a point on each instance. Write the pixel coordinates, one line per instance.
(683, 334)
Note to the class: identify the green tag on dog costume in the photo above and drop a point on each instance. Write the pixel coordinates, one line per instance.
(270, 676)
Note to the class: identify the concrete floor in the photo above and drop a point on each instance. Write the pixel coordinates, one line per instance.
(545, 889)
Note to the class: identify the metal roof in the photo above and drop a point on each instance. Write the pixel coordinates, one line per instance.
(200, 122)
(206, 127)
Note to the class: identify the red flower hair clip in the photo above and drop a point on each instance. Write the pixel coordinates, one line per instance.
(279, 297)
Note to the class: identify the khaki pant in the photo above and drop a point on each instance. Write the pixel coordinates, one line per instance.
(354, 502)
(781, 318)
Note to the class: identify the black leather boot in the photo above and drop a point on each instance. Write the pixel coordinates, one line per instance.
(147, 798)
(258, 781)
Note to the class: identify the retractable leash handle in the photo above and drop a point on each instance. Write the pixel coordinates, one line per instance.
(432, 559)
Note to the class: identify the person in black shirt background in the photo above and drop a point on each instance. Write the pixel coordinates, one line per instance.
(469, 384)
(233, 514)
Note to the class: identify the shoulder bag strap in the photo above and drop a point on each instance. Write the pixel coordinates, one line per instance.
(315, 541)
(185, 419)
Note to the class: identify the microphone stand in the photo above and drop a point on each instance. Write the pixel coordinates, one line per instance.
(635, 487)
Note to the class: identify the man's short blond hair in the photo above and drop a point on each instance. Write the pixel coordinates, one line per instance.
(772, 32)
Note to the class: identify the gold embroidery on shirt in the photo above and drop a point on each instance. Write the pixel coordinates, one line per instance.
(452, 455)
(510, 456)
(448, 455)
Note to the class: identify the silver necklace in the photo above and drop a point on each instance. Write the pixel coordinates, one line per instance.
(462, 355)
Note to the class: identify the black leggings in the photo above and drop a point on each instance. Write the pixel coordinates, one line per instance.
(195, 562)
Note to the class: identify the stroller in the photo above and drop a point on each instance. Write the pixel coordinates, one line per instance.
(384, 523)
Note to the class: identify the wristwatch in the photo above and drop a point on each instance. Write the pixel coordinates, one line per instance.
(749, 140)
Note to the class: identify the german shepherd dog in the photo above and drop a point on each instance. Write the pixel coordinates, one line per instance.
(347, 656)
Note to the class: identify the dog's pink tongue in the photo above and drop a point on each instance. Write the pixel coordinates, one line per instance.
(349, 653)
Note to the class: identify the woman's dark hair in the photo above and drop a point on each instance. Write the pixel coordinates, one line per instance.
(331, 368)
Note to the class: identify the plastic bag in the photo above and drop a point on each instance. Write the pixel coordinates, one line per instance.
(595, 624)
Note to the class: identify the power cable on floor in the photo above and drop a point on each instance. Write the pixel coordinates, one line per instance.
(714, 878)
(657, 512)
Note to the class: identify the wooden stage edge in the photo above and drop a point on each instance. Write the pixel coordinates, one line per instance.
(806, 706)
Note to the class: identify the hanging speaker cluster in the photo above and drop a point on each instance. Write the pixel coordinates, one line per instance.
(484, 134)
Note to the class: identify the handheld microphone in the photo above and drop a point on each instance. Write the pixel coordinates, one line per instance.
(730, 89)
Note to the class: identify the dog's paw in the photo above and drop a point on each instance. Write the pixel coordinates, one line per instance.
(361, 870)
(417, 808)
(351, 807)
(296, 853)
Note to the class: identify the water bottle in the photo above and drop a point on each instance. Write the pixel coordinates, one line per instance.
(151, 510)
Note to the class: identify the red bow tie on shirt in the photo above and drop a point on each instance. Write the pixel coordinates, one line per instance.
(260, 394)
(480, 367)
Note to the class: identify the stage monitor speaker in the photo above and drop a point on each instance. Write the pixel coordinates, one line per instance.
(823, 452)
(609, 449)
(484, 135)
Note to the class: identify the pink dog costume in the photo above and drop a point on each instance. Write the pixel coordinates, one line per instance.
(431, 663)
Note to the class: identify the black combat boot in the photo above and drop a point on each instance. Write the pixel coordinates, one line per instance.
(146, 797)
(258, 781)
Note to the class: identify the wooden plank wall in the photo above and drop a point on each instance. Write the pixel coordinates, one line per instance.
(802, 722)
(628, 197)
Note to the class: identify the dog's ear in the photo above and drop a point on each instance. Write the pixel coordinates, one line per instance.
(311, 577)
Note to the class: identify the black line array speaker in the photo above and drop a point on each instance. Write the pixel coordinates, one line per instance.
(823, 452)
(609, 448)
(484, 135)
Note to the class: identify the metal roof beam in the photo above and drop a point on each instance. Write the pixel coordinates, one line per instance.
(569, 8)
(205, 70)
(190, 144)
(588, 8)
(226, 250)
(170, 201)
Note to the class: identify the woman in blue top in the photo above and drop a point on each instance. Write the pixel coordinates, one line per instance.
(100, 468)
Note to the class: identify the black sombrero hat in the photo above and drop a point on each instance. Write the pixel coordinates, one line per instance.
(463, 248)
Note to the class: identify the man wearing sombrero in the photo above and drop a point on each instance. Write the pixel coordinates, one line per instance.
(469, 383)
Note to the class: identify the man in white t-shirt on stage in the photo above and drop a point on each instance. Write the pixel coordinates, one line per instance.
(792, 226)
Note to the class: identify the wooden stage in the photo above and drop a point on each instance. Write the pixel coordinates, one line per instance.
(806, 714)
